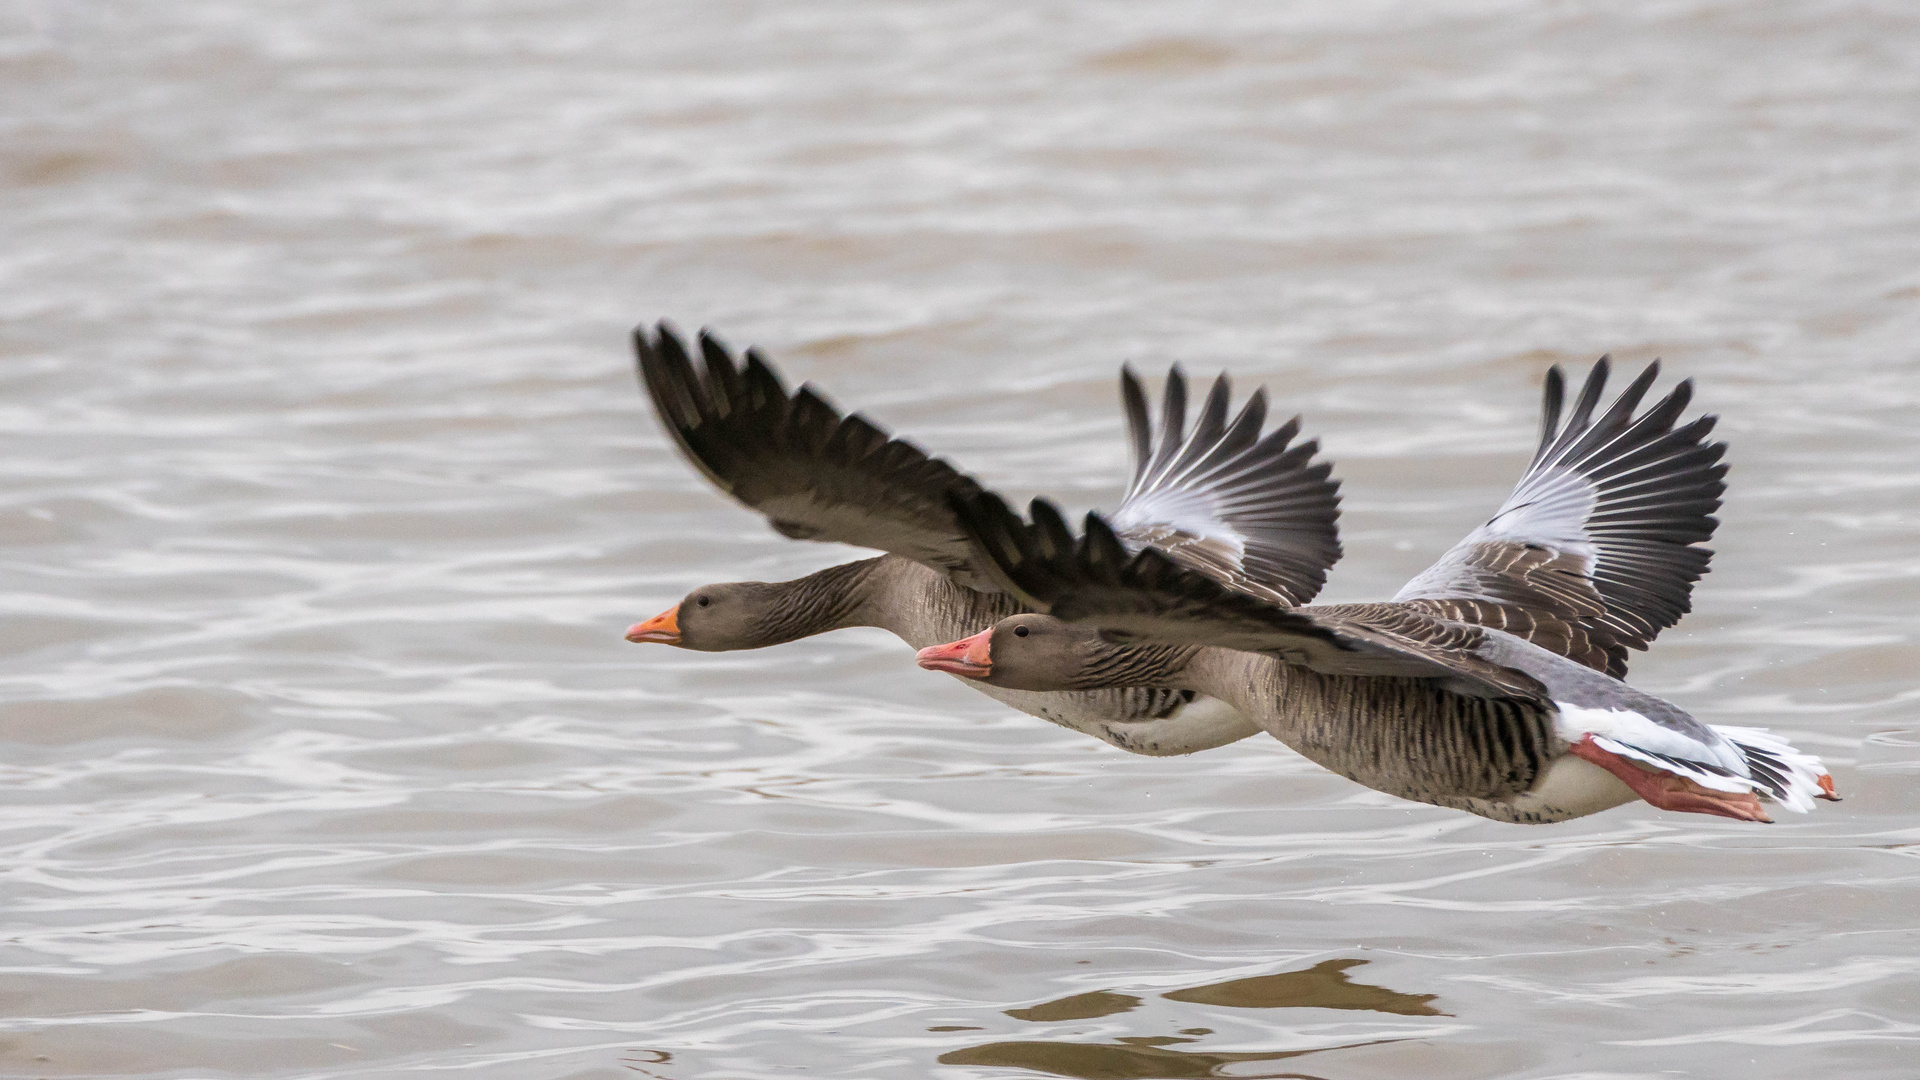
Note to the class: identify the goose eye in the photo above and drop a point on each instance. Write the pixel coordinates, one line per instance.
(702, 601)
(1019, 631)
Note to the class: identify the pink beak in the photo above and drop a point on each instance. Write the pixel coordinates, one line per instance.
(967, 658)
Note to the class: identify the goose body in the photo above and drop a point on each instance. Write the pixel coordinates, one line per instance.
(1444, 695)
(1427, 709)
(1513, 760)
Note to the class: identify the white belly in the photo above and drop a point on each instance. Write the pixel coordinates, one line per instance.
(1571, 787)
(1200, 724)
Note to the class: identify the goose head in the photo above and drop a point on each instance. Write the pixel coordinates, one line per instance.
(737, 615)
(720, 618)
(1039, 652)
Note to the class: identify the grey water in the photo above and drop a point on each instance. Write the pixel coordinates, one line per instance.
(328, 493)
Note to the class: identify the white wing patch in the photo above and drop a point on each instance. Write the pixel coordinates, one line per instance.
(1195, 513)
(1554, 512)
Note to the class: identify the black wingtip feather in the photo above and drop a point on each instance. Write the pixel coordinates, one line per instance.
(1133, 401)
(1554, 395)
(1590, 392)
(1173, 419)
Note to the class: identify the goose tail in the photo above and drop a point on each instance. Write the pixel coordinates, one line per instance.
(1780, 772)
(1695, 767)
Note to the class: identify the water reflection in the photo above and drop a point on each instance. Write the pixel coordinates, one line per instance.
(1078, 1007)
(1325, 985)
(1127, 1059)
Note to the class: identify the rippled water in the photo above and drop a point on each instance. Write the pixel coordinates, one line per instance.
(328, 495)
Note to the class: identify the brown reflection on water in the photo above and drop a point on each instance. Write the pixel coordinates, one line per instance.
(1129, 1059)
(1323, 986)
(1078, 1007)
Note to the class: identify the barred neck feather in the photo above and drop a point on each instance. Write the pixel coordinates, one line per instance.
(1107, 665)
(831, 599)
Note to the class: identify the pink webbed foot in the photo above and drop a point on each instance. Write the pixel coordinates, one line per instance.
(1669, 791)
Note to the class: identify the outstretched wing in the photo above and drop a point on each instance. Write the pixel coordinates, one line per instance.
(1148, 598)
(813, 473)
(1596, 551)
(1256, 514)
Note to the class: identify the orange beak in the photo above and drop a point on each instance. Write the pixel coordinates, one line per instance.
(663, 628)
(968, 658)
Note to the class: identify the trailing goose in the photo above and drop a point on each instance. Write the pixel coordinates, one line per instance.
(1437, 696)
(1254, 511)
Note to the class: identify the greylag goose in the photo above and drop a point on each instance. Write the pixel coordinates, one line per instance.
(1437, 696)
(1256, 512)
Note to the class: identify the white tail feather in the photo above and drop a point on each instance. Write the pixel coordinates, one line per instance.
(1800, 774)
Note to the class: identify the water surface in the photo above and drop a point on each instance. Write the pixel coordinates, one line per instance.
(328, 494)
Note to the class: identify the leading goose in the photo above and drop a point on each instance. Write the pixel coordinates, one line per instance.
(1254, 511)
(1408, 696)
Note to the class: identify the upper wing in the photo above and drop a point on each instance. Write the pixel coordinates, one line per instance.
(814, 474)
(1595, 551)
(1253, 513)
(1148, 598)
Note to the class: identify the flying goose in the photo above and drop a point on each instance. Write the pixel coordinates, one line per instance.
(1256, 512)
(1437, 696)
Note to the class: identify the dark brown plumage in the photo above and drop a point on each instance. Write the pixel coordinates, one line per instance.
(814, 474)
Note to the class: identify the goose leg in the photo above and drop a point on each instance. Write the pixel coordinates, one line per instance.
(1670, 792)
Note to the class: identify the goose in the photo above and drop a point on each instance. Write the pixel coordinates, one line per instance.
(1252, 510)
(1445, 694)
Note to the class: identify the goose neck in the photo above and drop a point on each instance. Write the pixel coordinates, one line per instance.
(831, 599)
